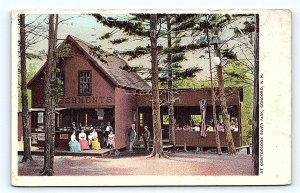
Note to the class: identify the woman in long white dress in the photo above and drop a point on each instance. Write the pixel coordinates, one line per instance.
(73, 143)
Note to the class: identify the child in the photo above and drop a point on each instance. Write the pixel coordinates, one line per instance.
(111, 140)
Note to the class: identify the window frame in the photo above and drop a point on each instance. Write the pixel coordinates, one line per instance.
(90, 83)
(141, 119)
(165, 122)
(195, 116)
(40, 118)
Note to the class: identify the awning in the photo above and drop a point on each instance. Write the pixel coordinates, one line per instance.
(43, 109)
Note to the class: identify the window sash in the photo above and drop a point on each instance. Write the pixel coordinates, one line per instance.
(40, 117)
(85, 83)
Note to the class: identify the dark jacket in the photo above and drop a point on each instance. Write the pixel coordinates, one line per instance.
(131, 134)
(146, 135)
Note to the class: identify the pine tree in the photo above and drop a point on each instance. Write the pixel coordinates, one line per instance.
(157, 145)
(213, 95)
(170, 72)
(50, 98)
(228, 25)
(170, 87)
(30, 34)
(176, 24)
(192, 24)
(26, 130)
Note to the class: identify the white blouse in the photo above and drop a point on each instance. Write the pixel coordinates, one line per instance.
(73, 137)
(82, 136)
(95, 135)
(90, 136)
(107, 128)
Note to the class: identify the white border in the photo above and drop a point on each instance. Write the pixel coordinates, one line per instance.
(275, 62)
(5, 79)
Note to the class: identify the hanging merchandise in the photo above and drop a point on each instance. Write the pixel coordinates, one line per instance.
(203, 122)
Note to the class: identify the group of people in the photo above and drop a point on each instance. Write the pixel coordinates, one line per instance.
(83, 143)
(92, 141)
(186, 127)
(109, 137)
(234, 124)
(209, 126)
(132, 136)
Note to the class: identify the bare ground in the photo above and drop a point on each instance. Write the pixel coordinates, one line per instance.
(178, 164)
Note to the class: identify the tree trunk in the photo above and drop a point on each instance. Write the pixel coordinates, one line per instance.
(170, 89)
(53, 98)
(255, 119)
(49, 108)
(26, 130)
(157, 142)
(213, 98)
(225, 115)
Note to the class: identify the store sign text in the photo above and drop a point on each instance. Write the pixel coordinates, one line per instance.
(80, 100)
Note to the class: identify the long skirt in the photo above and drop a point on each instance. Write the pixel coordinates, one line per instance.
(95, 144)
(111, 142)
(74, 146)
(84, 144)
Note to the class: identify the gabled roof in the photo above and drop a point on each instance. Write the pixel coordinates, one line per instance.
(111, 68)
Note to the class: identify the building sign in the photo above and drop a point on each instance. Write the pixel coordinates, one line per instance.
(79, 100)
(41, 136)
(64, 136)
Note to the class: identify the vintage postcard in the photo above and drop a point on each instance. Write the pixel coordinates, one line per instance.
(151, 97)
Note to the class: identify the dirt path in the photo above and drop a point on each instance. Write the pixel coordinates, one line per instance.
(178, 164)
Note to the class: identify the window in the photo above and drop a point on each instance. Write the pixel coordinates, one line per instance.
(141, 119)
(196, 119)
(165, 119)
(84, 83)
(40, 118)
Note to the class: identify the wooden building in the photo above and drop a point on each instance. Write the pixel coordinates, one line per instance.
(187, 111)
(94, 93)
(96, 90)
